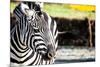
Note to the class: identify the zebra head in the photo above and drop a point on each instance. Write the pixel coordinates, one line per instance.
(41, 39)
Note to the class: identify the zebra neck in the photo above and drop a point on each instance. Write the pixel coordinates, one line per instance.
(20, 34)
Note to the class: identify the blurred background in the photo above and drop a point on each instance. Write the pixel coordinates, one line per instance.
(76, 26)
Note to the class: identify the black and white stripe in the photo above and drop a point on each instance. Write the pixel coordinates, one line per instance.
(33, 38)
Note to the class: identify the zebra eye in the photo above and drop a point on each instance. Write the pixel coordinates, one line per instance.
(44, 49)
(36, 30)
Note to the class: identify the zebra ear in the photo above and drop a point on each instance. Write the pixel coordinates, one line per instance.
(40, 4)
(24, 8)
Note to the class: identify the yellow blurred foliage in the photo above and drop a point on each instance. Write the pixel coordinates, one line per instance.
(83, 7)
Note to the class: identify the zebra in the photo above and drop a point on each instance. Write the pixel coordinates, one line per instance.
(33, 38)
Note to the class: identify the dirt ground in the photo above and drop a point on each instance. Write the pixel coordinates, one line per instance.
(75, 54)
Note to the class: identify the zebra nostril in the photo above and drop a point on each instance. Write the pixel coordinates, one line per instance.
(50, 55)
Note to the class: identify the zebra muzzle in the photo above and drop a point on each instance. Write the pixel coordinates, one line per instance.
(51, 52)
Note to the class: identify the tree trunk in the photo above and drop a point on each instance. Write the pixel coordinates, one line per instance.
(90, 33)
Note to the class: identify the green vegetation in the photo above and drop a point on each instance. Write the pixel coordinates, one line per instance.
(12, 6)
(62, 10)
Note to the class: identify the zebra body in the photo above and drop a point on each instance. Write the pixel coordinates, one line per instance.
(33, 38)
